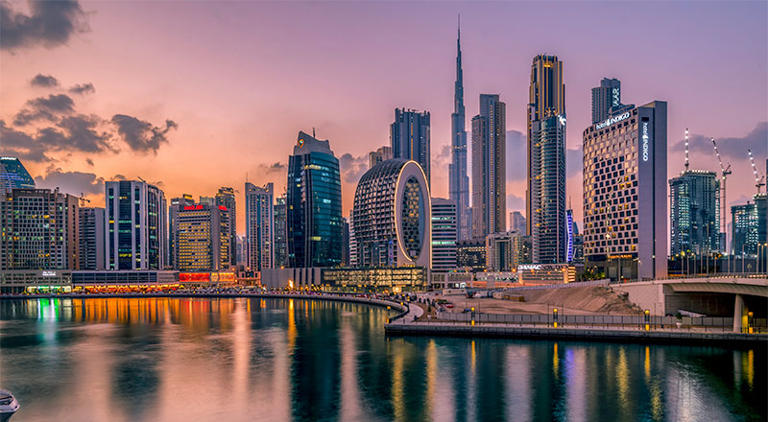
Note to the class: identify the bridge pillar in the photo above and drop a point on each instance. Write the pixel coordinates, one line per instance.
(738, 311)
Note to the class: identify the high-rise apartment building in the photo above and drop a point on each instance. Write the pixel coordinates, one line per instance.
(409, 135)
(314, 204)
(226, 197)
(444, 234)
(382, 154)
(694, 200)
(546, 99)
(625, 193)
(136, 226)
(606, 100)
(391, 216)
(177, 204)
(505, 251)
(489, 192)
(39, 230)
(344, 242)
(259, 226)
(749, 223)
(458, 178)
(91, 238)
(13, 175)
(203, 236)
(281, 233)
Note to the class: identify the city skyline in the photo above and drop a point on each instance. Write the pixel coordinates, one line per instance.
(157, 122)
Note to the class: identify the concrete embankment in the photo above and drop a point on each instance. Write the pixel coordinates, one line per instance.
(580, 334)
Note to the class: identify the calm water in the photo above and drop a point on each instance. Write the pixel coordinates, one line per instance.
(279, 360)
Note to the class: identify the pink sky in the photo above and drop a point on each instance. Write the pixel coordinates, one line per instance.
(242, 78)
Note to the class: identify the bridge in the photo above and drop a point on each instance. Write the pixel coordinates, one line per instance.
(738, 295)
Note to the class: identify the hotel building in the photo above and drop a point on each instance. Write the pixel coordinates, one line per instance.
(203, 238)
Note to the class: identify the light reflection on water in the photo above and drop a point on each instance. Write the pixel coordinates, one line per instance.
(172, 359)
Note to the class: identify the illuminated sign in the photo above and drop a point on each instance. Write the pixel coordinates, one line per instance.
(562, 119)
(645, 138)
(529, 267)
(222, 208)
(301, 142)
(49, 274)
(625, 256)
(612, 120)
(616, 96)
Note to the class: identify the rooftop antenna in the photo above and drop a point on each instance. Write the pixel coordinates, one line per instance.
(759, 181)
(686, 149)
(313, 132)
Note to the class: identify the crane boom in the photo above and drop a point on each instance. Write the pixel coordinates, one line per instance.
(759, 181)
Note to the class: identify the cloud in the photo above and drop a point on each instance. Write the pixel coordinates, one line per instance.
(442, 159)
(73, 182)
(50, 24)
(515, 203)
(89, 162)
(45, 108)
(734, 148)
(352, 168)
(44, 81)
(140, 135)
(20, 144)
(82, 89)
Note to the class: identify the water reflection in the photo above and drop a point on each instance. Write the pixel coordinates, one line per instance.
(173, 359)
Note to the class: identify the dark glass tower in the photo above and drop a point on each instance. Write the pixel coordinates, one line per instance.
(226, 197)
(458, 182)
(694, 200)
(313, 201)
(410, 137)
(13, 175)
(489, 193)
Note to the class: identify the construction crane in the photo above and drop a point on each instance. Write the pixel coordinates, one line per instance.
(686, 149)
(759, 181)
(724, 172)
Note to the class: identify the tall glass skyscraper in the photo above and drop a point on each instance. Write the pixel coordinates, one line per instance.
(314, 205)
(137, 231)
(749, 226)
(458, 182)
(410, 138)
(489, 193)
(226, 197)
(546, 98)
(444, 234)
(13, 175)
(259, 226)
(694, 200)
(281, 235)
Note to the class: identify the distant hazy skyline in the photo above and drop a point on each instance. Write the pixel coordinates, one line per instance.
(195, 95)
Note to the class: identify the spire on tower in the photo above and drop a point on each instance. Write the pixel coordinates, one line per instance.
(686, 149)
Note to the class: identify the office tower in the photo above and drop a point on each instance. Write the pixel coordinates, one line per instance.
(489, 192)
(694, 200)
(344, 242)
(203, 236)
(505, 251)
(176, 204)
(444, 234)
(470, 255)
(391, 216)
(281, 233)
(749, 227)
(207, 200)
(259, 224)
(13, 175)
(352, 244)
(91, 238)
(625, 193)
(546, 98)
(409, 134)
(40, 230)
(606, 100)
(136, 228)
(382, 154)
(226, 198)
(517, 221)
(458, 182)
(314, 204)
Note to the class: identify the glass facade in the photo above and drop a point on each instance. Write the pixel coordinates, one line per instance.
(313, 217)
(136, 226)
(13, 175)
(694, 199)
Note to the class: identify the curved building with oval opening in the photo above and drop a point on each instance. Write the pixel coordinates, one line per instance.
(391, 216)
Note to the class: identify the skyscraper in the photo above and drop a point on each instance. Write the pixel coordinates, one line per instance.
(40, 230)
(259, 224)
(91, 238)
(382, 154)
(203, 236)
(176, 205)
(14, 175)
(694, 200)
(226, 197)
(314, 204)
(281, 234)
(137, 235)
(606, 100)
(410, 138)
(549, 231)
(517, 222)
(625, 193)
(489, 193)
(749, 226)
(546, 98)
(458, 179)
(444, 234)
